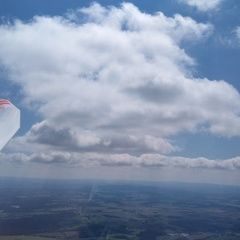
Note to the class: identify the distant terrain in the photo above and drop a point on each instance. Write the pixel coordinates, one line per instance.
(98, 210)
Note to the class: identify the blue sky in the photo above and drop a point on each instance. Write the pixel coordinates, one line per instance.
(214, 47)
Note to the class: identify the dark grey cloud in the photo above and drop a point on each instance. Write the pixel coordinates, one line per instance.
(158, 93)
(85, 141)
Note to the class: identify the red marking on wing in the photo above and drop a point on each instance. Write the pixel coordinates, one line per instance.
(4, 102)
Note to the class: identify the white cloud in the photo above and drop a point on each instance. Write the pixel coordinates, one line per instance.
(113, 81)
(237, 31)
(203, 5)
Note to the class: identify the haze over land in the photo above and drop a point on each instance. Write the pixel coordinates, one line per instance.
(95, 210)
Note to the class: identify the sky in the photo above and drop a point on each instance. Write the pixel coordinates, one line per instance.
(143, 90)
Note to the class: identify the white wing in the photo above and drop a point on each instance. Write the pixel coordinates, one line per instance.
(9, 121)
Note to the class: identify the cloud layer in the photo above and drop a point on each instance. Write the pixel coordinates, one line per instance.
(113, 82)
(67, 159)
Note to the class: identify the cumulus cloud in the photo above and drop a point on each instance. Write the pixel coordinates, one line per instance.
(203, 5)
(113, 80)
